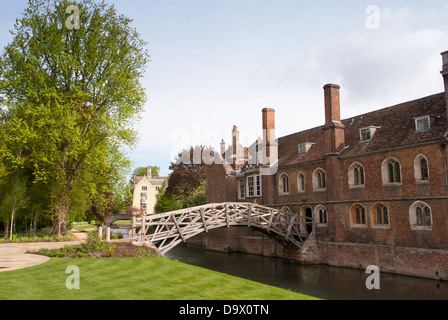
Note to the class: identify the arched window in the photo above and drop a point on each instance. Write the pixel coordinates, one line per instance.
(420, 216)
(356, 176)
(391, 171)
(421, 169)
(319, 179)
(320, 212)
(283, 183)
(301, 182)
(380, 215)
(358, 216)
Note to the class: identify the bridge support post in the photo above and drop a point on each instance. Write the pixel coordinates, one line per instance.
(100, 233)
(143, 230)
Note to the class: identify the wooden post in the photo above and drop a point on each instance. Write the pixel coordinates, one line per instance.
(143, 230)
(203, 219)
(249, 213)
(108, 234)
(100, 233)
(227, 214)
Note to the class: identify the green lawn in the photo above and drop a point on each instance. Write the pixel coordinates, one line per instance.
(133, 279)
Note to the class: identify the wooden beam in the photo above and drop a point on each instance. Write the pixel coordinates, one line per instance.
(227, 214)
(201, 211)
(178, 228)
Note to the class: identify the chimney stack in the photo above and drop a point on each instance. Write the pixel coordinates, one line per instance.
(149, 172)
(235, 148)
(269, 136)
(332, 104)
(333, 129)
(444, 73)
(223, 147)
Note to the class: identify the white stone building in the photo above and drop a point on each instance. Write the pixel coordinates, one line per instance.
(146, 191)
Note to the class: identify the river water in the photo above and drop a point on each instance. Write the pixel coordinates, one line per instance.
(320, 281)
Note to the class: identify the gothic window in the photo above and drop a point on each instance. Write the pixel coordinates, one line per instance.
(319, 179)
(380, 215)
(358, 216)
(391, 171)
(420, 216)
(320, 212)
(301, 182)
(283, 183)
(356, 175)
(421, 169)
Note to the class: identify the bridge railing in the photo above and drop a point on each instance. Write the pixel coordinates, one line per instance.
(166, 230)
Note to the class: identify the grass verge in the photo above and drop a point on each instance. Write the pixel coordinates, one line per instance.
(133, 279)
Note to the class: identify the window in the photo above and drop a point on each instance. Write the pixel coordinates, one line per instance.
(304, 147)
(358, 216)
(320, 212)
(254, 186)
(157, 188)
(300, 182)
(391, 171)
(420, 216)
(356, 175)
(144, 188)
(319, 179)
(422, 123)
(242, 189)
(143, 207)
(367, 133)
(143, 196)
(250, 186)
(283, 184)
(421, 169)
(380, 215)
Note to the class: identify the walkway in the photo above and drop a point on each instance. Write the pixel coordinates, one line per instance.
(13, 256)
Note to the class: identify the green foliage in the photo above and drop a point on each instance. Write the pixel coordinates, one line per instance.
(71, 100)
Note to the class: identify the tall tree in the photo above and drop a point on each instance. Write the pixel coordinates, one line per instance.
(14, 200)
(71, 86)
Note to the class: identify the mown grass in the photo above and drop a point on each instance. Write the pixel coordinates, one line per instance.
(133, 279)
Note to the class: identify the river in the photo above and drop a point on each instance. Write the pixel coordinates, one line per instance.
(320, 281)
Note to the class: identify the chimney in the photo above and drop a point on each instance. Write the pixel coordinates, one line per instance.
(444, 73)
(333, 129)
(269, 136)
(235, 142)
(223, 147)
(332, 104)
(148, 172)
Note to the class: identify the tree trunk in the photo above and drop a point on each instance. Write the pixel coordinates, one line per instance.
(60, 225)
(12, 223)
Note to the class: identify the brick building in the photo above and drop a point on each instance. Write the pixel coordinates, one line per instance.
(375, 184)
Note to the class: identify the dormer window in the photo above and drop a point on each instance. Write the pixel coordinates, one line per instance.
(367, 133)
(422, 123)
(304, 147)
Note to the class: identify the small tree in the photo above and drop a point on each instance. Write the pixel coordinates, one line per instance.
(14, 200)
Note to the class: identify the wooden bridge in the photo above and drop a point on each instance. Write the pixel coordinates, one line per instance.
(166, 230)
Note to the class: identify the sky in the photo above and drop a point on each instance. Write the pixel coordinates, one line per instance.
(216, 64)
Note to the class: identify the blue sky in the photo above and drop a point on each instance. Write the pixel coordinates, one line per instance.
(216, 64)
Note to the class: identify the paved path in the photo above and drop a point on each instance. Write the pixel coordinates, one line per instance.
(13, 257)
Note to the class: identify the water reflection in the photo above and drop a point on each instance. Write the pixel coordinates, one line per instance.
(319, 281)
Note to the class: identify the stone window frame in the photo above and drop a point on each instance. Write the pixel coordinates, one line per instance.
(301, 182)
(385, 212)
(419, 174)
(319, 180)
(391, 163)
(283, 184)
(318, 215)
(356, 209)
(425, 211)
(356, 166)
(417, 121)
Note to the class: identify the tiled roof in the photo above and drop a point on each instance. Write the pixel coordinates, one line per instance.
(396, 128)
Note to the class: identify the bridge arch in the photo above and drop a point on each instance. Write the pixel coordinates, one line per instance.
(166, 230)
(111, 219)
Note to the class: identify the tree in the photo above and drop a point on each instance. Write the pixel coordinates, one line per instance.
(14, 200)
(71, 96)
(189, 171)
